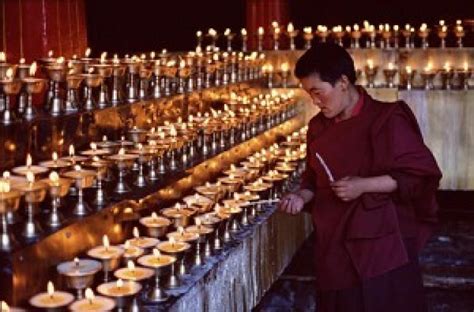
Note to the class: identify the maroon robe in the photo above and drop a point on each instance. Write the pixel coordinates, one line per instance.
(363, 239)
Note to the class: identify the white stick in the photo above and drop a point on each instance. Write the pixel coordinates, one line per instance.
(323, 163)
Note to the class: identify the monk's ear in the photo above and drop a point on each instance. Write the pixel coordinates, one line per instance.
(344, 82)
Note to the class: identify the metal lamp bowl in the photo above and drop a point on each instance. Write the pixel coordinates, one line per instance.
(92, 80)
(4, 67)
(118, 70)
(11, 87)
(137, 135)
(104, 70)
(59, 190)
(34, 85)
(9, 201)
(155, 231)
(57, 72)
(74, 81)
(145, 73)
(35, 194)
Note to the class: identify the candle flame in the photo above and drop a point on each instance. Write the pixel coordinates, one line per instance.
(30, 177)
(54, 177)
(119, 283)
(408, 69)
(4, 186)
(198, 222)
(77, 167)
(88, 52)
(466, 66)
(71, 150)
(136, 234)
(127, 245)
(181, 230)
(428, 67)
(60, 60)
(9, 74)
(103, 56)
(121, 151)
(131, 265)
(76, 262)
(89, 295)
(261, 31)
(50, 289)
(29, 160)
(370, 63)
(32, 70)
(156, 253)
(285, 67)
(50, 53)
(290, 28)
(243, 32)
(105, 242)
(154, 215)
(3, 57)
(390, 66)
(6, 174)
(172, 241)
(447, 66)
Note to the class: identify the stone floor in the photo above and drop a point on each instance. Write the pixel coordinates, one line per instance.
(447, 262)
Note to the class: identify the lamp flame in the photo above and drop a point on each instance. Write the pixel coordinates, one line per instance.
(9, 74)
(105, 242)
(103, 56)
(30, 177)
(4, 307)
(131, 265)
(32, 70)
(89, 295)
(54, 177)
(71, 150)
(29, 160)
(136, 233)
(156, 253)
(50, 289)
(119, 283)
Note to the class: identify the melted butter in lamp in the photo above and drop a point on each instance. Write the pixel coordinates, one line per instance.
(93, 303)
(51, 299)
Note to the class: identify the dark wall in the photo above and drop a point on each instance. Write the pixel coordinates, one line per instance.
(147, 25)
(331, 13)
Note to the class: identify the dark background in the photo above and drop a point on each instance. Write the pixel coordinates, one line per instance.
(146, 25)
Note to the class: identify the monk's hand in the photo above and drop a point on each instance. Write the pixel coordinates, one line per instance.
(348, 188)
(291, 203)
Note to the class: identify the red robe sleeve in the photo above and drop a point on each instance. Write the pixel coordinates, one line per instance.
(409, 161)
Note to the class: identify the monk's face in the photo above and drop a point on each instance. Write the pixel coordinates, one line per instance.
(329, 98)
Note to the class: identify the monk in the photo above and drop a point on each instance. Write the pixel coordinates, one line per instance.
(370, 184)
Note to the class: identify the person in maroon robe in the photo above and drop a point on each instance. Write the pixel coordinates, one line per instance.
(370, 184)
